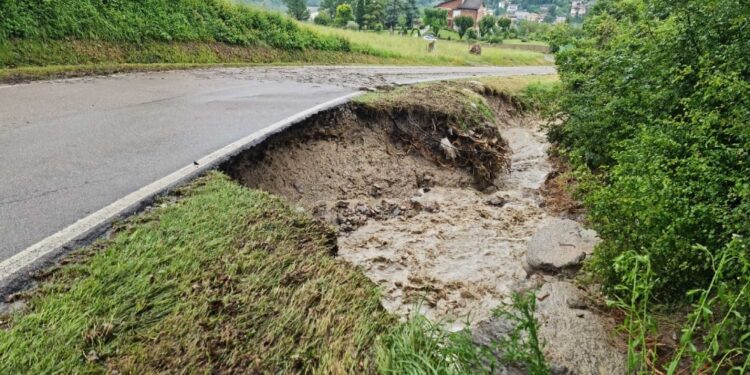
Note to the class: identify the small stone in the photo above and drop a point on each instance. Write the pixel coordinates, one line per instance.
(299, 187)
(497, 201)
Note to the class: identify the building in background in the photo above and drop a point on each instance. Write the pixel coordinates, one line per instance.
(472, 8)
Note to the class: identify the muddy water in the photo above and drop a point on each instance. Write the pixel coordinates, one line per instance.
(464, 252)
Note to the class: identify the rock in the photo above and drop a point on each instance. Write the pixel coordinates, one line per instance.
(497, 201)
(575, 345)
(299, 187)
(476, 49)
(560, 245)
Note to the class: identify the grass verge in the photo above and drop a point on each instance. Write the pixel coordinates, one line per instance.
(225, 279)
(34, 60)
(413, 50)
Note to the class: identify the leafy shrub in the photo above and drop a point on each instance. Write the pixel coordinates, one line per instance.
(344, 14)
(351, 25)
(657, 106)
(471, 34)
(463, 23)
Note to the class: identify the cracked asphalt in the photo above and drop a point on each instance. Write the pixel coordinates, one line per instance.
(71, 147)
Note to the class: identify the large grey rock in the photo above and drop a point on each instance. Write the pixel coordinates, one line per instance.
(560, 244)
(578, 341)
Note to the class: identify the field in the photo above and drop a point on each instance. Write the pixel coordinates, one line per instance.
(413, 50)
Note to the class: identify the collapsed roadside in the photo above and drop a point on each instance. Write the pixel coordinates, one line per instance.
(418, 187)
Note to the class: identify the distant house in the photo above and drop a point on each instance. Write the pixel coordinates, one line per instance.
(560, 19)
(472, 8)
(512, 9)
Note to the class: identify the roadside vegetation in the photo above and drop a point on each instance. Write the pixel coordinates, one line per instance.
(654, 105)
(410, 49)
(226, 279)
(70, 38)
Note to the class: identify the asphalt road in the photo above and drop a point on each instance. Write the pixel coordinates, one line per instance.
(71, 147)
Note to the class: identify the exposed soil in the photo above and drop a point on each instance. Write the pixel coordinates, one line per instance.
(424, 232)
(428, 231)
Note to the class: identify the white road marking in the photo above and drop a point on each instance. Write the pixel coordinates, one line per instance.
(26, 258)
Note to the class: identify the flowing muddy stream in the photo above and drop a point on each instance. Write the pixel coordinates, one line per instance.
(465, 251)
(424, 233)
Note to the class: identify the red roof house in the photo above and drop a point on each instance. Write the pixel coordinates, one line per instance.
(472, 8)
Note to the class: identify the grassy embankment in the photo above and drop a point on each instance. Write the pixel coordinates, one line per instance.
(67, 38)
(413, 50)
(220, 278)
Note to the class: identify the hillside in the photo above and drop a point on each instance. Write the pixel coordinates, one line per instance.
(79, 37)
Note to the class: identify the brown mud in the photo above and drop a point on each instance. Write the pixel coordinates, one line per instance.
(432, 233)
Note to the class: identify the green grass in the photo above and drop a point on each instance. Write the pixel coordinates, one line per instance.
(413, 50)
(225, 279)
(59, 59)
(60, 38)
(528, 43)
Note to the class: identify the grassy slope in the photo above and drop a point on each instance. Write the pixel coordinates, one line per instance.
(413, 50)
(224, 279)
(79, 37)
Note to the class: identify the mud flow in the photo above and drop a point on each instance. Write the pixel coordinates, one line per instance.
(422, 230)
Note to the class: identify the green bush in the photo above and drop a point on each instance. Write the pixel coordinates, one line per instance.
(344, 14)
(657, 111)
(471, 34)
(155, 20)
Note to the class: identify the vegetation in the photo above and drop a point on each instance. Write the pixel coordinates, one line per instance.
(84, 36)
(436, 19)
(297, 9)
(413, 50)
(343, 15)
(463, 23)
(154, 21)
(223, 280)
(655, 99)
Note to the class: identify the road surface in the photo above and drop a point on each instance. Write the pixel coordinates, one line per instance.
(71, 147)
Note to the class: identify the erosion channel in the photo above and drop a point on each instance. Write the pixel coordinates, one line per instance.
(443, 217)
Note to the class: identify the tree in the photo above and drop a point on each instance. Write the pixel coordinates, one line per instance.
(463, 23)
(504, 23)
(343, 15)
(435, 18)
(410, 13)
(391, 19)
(331, 5)
(323, 18)
(359, 13)
(487, 25)
(374, 14)
(297, 9)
